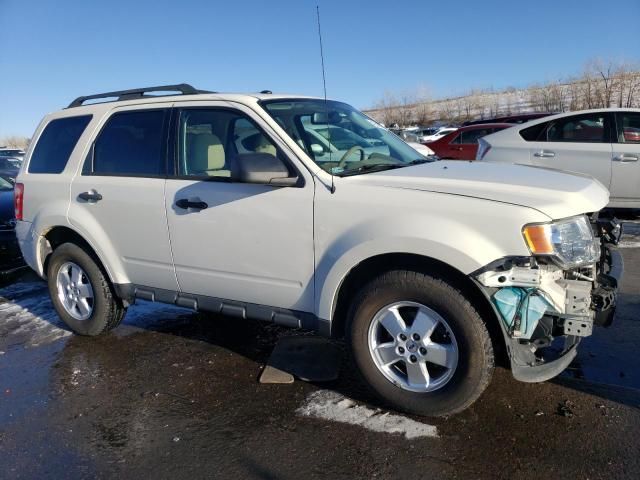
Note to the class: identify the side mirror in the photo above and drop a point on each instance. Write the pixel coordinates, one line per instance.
(317, 149)
(262, 168)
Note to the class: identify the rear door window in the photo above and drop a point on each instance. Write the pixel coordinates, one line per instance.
(132, 144)
(470, 137)
(534, 133)
(591, 128)
(56, 143)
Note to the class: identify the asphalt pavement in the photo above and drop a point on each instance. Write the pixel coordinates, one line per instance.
(175, 394)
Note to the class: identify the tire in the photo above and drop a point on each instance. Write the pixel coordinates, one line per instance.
(105, 310)
(452, 388)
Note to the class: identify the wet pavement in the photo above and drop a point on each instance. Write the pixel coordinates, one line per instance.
(173, 394)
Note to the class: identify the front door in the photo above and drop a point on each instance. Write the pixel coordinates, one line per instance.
(247, 242)
(120, 195)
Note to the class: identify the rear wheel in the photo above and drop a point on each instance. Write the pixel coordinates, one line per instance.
(419, 343)
(81, 292)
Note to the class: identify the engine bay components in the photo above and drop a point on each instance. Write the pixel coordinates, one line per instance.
(521, 310)
(525, 293)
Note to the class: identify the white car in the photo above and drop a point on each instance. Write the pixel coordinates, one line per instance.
(421, 149)
(441, 132)
(221, 203)
(604, 144)
(11, 152)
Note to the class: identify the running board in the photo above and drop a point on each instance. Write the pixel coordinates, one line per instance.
(231, 308)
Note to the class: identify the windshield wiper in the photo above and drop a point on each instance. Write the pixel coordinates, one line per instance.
(420, 161)
(383, 166)
(372, 167)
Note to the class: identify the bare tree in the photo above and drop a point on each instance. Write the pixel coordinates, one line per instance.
(604, 75)
(14, 141)
(601, 85)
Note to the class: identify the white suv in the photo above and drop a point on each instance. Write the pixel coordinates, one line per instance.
(223, 203)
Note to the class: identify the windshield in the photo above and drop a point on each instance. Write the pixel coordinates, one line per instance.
(339, 138)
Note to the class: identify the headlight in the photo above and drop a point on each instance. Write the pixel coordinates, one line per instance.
(569, 242)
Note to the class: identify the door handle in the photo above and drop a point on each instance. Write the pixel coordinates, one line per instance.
(184, 203)
(91, 196)
(623, 157)
(544, 154)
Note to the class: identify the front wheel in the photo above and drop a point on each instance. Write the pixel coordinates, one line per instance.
(419, 343)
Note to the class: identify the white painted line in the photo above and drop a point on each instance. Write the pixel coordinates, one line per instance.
(332, 406)
(629, 244)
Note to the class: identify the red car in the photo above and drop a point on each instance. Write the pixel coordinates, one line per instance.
(463, 143)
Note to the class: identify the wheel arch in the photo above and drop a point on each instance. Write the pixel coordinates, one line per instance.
(56, 236)
(379, 264)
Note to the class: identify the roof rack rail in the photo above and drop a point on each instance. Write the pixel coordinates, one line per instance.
(135, 93)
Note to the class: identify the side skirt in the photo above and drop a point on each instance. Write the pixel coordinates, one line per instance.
(232, 308)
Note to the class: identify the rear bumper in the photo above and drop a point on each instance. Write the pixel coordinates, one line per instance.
(28, 244)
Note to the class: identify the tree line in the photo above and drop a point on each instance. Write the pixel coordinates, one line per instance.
(601, 85)
(14, 141)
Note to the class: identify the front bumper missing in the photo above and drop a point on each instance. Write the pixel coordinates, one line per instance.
(532, 364)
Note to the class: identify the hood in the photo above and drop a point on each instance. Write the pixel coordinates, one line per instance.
(554, 193)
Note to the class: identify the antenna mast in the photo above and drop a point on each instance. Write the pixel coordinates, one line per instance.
(324, 87)
(324, 80)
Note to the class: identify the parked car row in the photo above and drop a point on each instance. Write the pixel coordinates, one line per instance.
(306, 213)
(462, 143)
(604, 144)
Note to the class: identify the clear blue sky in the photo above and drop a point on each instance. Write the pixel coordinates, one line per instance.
(52, 51)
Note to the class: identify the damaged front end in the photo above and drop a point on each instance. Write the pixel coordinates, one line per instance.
(547, 302)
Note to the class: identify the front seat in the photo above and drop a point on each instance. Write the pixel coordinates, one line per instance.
(258, 143)
(206, 155)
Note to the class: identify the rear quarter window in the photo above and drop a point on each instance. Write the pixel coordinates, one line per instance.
(56, 143)
(534, 133)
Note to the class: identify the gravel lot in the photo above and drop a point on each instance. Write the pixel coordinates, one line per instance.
(173, 394)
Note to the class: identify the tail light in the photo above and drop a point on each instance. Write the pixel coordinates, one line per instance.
(483, 149)
(18, 199)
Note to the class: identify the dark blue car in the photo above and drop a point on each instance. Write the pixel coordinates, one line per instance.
(10, 256)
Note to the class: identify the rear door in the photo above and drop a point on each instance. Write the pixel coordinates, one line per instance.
(576, 143)
(118, 197)
(625, 174)
(451, 149)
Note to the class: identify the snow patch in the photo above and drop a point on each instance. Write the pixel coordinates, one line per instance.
(332, 406)
(30, 313)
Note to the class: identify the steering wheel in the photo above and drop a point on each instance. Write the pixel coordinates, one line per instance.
(343, 161)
